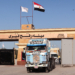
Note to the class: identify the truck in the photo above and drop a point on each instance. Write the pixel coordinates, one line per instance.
(55, 52)
(38, 55)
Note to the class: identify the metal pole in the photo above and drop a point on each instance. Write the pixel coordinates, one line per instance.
(14, 44)
(20, 17)
(27, 20)
(32, 12)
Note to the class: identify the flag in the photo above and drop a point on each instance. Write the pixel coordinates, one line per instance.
(24, 9)
(3, 45)
(38, 7)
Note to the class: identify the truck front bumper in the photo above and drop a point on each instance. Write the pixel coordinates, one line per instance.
(42, 65)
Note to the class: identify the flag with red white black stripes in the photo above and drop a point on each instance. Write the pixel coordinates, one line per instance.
(38, 7)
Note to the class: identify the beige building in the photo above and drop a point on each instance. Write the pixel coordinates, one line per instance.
(27, 32)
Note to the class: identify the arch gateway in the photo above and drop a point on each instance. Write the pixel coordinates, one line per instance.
(27, 32)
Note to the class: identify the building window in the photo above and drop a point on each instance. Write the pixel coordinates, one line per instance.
(27, 26)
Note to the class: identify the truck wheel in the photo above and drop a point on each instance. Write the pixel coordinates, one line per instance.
(54, 63)
(51, 65)
(46, 70)
(28, 70)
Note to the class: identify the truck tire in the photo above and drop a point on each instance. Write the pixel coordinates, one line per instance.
(28, 70)
(53, 63)
(46, 70)
(50, 67)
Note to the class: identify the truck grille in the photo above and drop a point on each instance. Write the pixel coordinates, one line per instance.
(36, 58)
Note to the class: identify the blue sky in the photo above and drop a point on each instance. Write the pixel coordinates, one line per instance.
(58, 14)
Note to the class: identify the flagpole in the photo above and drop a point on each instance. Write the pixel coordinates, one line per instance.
(20, 17)
(32, 12)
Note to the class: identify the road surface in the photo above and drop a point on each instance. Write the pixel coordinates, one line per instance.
(21, 70)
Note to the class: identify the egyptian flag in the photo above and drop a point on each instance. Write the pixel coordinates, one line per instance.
(38, 7)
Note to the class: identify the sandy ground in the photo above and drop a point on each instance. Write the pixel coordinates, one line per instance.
(21, 70)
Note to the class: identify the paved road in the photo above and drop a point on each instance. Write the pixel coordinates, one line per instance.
(20, 70)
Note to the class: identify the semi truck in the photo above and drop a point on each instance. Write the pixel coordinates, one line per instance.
(38, 55)
(55, 52)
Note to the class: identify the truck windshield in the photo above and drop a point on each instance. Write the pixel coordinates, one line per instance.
(36, 47)
(54, 55)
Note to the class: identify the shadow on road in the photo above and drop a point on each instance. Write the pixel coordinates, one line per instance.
(40, 71)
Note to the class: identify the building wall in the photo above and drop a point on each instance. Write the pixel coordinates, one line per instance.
(73, 51)
(21, 46)
(27, 30)
(26, 26)
(67, 52)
